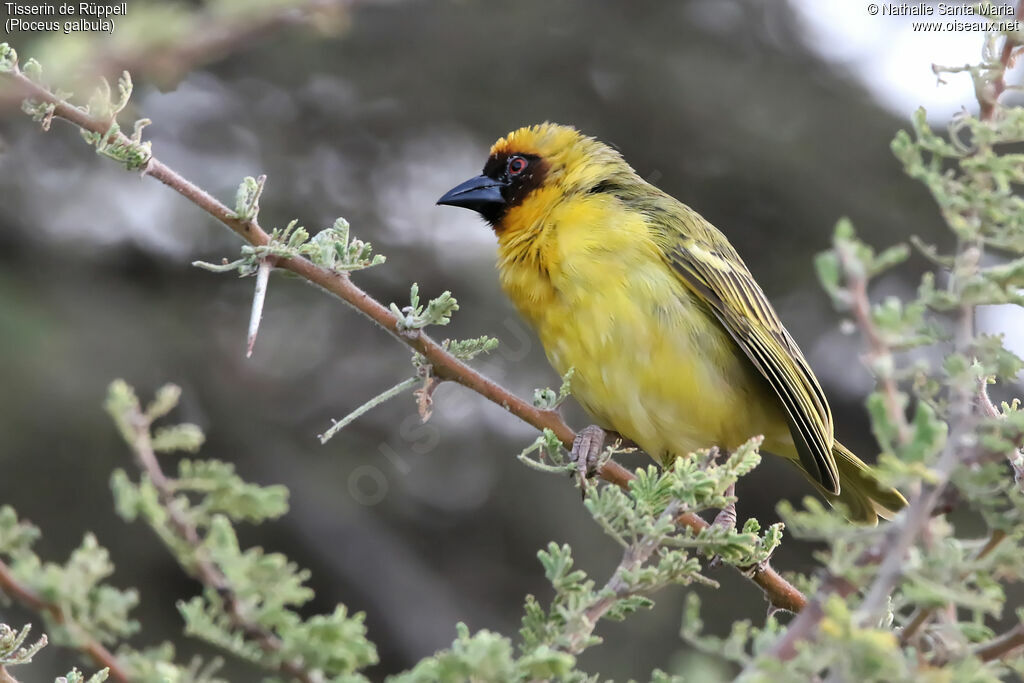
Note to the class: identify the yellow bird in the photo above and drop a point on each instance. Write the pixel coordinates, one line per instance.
(674, 344)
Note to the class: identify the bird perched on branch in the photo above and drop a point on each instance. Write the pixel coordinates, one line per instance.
(674, 344)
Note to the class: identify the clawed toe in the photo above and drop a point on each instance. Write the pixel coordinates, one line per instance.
(586, 453)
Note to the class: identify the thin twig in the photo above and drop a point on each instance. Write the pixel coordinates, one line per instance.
(903, 534)
(445, 367)
(202, 568)
(92, 648)
(878, 351)
(338, 425)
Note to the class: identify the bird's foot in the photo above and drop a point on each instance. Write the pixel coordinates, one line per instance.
(586, 452)
(726, 519)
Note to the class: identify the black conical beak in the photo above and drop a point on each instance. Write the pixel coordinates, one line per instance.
(481, 194)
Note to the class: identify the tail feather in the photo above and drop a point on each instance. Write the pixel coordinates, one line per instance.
(861, 493)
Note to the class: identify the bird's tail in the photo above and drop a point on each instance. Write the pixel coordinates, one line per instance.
(864, 496)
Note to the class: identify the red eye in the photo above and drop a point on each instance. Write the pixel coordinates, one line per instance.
(516, 165)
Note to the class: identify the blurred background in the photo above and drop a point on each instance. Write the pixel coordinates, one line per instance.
(772, 119)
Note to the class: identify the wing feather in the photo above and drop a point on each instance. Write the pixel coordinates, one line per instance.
(711, 268)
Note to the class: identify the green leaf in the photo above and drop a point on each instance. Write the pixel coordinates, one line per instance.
(183, 437)
(225, 493)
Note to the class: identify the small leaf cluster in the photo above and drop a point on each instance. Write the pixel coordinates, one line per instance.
(549, 399)
(488, 656)
(41, 111)
(8, 58)
(416, 316)
(867, 654)
(466, 349)
(13, 650)
(76, 676)
(332, 248)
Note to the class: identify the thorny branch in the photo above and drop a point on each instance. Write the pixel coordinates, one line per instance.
(445, 367)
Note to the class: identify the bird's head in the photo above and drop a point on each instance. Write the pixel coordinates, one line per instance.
(531, 170)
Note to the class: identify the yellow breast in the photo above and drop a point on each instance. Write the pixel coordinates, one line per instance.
(650, 361)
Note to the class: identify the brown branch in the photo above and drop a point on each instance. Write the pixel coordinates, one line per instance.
(901, 536)
(88, 645)
(1001, 646)
(202, 568)
(888, 552)
(445, 367)
(804, 628)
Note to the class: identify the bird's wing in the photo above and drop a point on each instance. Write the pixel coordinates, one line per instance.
(711, 268)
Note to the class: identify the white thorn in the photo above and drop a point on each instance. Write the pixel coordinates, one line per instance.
(258, 297)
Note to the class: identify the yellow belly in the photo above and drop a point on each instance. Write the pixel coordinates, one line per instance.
(650, 362)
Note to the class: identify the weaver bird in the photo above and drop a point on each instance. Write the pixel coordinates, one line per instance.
(674, 345)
